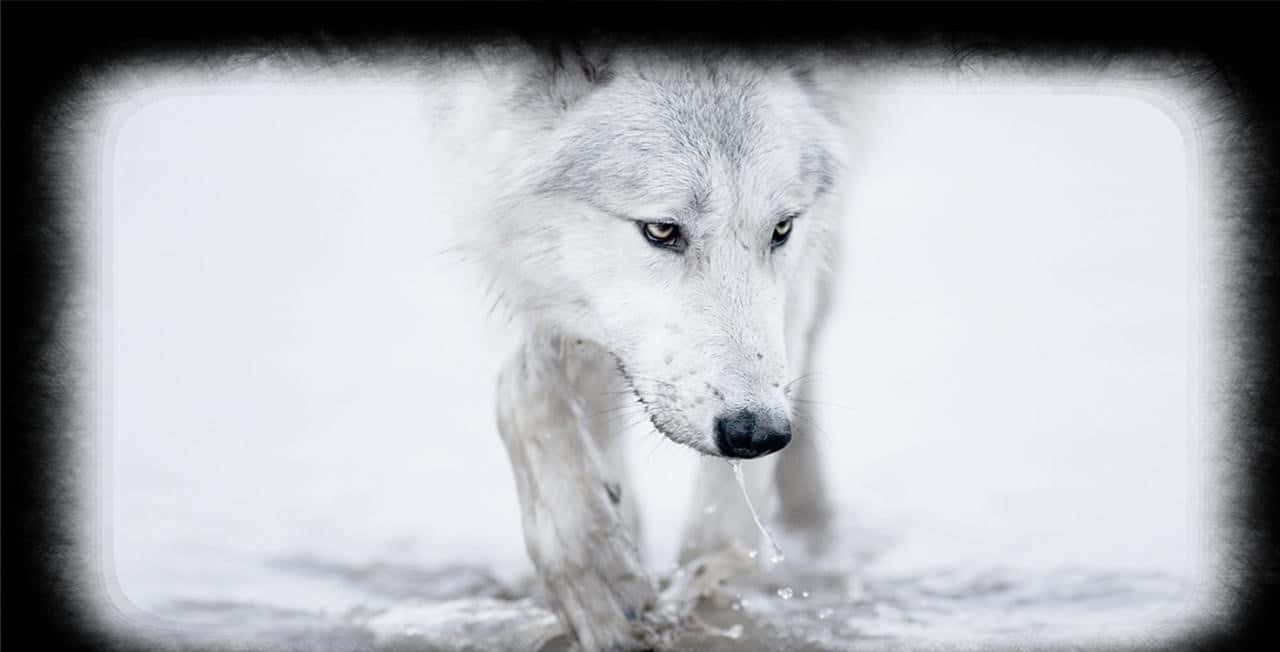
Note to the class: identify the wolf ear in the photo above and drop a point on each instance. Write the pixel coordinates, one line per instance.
(589, 61)
(809, 72)
(574, 69)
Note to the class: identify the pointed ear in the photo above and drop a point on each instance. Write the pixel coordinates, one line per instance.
(574, 68)
(589, 60)
(809, 72)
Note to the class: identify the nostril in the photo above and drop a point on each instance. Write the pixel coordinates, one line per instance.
(749, 434)
(778, 439)
(735, 430)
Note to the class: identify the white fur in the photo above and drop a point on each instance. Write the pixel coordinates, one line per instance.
(567, 159)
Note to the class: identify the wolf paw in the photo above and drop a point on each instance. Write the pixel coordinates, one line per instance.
(607, 611)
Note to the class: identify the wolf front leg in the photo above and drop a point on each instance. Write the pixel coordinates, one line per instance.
(804, 507)
(574, 527)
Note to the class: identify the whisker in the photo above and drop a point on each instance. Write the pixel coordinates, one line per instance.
(657, 444)
(615, 419)
(619, 408)
(810, 422)
(656, 381)
(823, 403)
(802, 377)
(634, 424)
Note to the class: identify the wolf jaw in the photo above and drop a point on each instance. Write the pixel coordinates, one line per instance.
(661, 421)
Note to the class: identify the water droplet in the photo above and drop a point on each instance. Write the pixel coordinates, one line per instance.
(785, 593)
(804, 594)
(825, 613)
(752, 553)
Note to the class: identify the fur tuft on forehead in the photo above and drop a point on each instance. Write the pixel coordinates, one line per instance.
(668, 128)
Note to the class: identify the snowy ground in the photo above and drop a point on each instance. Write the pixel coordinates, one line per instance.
(298, 423)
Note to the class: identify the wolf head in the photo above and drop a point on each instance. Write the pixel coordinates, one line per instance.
(677, 209)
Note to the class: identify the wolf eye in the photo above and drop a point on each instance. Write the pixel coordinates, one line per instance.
(782, 231)
(661, 234)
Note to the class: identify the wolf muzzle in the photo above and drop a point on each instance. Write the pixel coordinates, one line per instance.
(747, 434)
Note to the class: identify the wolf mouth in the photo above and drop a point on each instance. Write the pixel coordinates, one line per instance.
(631, 385)
(649, 408)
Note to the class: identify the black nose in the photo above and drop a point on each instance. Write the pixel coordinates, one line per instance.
(751, 434)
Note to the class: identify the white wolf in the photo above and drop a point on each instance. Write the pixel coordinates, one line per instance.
(663, 224)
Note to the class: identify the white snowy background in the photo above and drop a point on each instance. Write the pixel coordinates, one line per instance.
(293, 369)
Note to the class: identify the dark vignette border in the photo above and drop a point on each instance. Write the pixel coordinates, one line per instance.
(49, 51)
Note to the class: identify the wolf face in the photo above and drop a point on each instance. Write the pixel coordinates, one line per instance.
(678, 212)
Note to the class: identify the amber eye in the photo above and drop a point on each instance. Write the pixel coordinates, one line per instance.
(781, 231)
(661, 234)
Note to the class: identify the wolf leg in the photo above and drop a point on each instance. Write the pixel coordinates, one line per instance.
(574, 527)
(610, 406)
(804, 508)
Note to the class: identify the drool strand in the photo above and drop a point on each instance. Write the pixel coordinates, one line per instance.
(777, 555)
